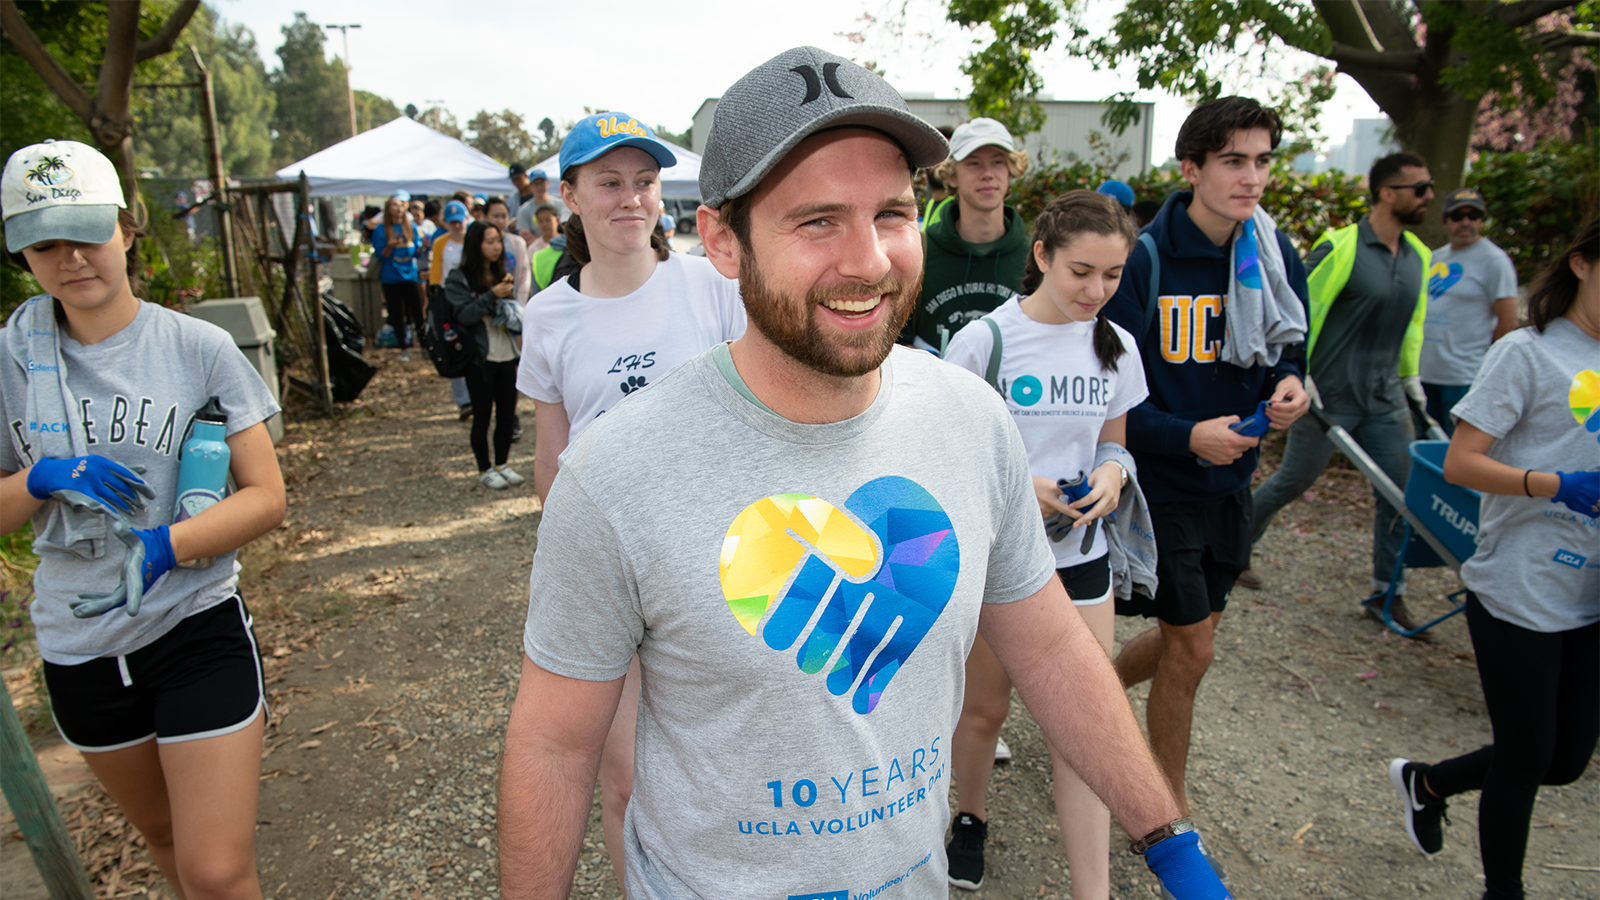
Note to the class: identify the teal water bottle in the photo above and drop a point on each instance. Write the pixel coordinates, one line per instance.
(203, 466)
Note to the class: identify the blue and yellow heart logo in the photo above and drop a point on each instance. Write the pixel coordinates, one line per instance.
(1442, 277)
(854, 590)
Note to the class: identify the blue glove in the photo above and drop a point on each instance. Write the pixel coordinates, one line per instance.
(1579, 492)
(1257, 424)
(109, 482)
(1183, 869)
(149, 557)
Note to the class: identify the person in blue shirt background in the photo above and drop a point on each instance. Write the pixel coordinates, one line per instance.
(397, 243)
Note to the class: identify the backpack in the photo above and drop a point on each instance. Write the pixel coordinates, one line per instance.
(450, 344)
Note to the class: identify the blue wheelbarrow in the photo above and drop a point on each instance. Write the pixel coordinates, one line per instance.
(1440, 518)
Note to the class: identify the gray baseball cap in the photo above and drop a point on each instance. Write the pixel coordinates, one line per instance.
(792, 96)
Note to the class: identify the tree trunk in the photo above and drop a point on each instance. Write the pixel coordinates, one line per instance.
(1440, 132)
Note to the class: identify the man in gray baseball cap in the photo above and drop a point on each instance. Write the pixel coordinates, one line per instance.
(799, 532)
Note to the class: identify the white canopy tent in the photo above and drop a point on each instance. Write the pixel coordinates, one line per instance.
(402, 155)
(682, 181)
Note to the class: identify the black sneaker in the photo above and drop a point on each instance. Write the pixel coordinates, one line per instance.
(965, 851)
(1422, 810)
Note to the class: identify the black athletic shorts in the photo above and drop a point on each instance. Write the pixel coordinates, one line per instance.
(1087, 583)
(1201, 547)
(201, 679)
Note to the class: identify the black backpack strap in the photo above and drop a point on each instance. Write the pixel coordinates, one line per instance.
(1154, 300)
(992, 374)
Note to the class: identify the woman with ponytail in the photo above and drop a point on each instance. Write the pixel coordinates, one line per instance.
(1069, 377)
(1533, 591)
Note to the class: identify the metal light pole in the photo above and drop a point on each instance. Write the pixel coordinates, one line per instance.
(349, 92)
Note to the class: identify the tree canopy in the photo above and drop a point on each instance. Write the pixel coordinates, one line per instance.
(169, 129)
(1426, 63)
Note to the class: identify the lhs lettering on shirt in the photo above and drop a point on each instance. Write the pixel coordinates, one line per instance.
(1191, 327)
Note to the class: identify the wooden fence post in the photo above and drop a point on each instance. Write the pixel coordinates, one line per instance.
(37, 816)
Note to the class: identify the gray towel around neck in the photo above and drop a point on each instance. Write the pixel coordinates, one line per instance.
(33, 341)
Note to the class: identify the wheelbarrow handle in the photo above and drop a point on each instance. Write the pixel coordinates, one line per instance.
(1381, 482)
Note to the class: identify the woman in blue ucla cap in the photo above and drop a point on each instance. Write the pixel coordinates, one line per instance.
(150, 659)
(631, 312)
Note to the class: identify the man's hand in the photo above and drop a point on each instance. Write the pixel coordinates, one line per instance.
(1215, 443)
(1289, 402)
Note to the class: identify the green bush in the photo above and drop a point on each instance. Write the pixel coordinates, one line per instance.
(17, 562)
(1304, 206)
(178, 269)
(1538, 200)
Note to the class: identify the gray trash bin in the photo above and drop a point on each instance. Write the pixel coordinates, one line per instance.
(245, 318)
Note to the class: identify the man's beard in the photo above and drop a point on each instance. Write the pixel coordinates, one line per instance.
(797, 333)
(1416, 216)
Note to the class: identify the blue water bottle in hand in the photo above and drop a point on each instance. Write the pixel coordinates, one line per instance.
(203, 467)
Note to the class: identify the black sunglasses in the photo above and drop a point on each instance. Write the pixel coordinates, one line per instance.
(1421, 188)
(1462, 214)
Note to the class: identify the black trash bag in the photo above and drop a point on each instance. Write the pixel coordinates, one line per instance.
(348, 373)
(334, 309)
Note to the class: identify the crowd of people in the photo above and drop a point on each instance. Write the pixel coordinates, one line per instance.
(899, 459)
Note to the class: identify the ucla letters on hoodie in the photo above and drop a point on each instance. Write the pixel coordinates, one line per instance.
(962, 282)
(1187, 382)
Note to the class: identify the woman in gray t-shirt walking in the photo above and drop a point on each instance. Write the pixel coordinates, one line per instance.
(1533, 601)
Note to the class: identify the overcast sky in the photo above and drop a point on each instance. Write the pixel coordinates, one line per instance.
(659, 61)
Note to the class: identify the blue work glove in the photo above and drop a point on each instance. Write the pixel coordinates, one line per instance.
(149, 557)
(109, 482)
(1257, 423)
(1183, 869)
(1579, 492)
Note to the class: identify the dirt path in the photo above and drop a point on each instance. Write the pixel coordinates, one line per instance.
(391, 615)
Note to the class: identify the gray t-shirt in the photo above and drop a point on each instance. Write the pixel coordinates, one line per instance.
(1356, 361)
(137, 392)
(1462, 288)
(1538, 562)
(802, 599)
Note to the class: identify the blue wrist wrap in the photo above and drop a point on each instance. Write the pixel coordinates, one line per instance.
(1183, 869)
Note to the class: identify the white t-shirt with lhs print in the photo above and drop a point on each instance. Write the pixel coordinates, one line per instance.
(1058, 395)
(587, 353)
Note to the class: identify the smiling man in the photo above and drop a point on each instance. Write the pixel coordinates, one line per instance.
(977, 245)
(799, 558)
(1185, 305)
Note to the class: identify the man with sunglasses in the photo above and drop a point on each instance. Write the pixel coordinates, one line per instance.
(1368, 300)
(1472, 302)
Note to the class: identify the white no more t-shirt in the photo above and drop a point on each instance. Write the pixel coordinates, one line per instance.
(802, 599)
(587, 353)
(1058, 394)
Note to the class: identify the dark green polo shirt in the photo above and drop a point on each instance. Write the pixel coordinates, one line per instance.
(1356, 366)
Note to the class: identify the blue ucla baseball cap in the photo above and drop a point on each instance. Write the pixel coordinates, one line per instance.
(601, 133)
(455, 211)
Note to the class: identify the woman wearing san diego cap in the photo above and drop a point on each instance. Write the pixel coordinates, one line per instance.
(150, 660)
(633, 311)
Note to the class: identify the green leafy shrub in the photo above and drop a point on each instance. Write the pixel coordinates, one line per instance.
(1538, 200)
(17, 562)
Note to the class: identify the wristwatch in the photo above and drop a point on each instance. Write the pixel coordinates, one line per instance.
(1175, 827)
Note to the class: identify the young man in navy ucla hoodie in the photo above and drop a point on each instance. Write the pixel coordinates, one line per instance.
(1201, 512)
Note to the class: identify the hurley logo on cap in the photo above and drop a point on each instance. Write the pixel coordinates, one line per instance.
(830, 77)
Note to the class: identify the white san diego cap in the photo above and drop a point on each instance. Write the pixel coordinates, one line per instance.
(59, 191)
(980, 132)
